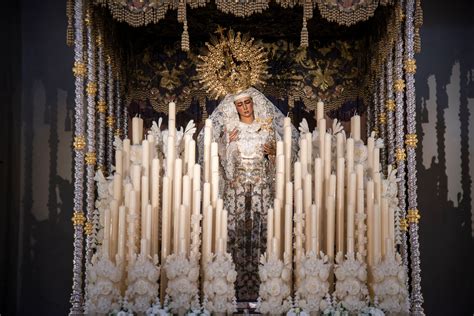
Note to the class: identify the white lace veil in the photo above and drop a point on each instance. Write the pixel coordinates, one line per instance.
(225, 116)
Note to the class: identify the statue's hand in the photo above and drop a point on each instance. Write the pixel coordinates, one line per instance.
(233, 136)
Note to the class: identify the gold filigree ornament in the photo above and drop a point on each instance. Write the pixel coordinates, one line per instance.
(411, 140)
(79, 142)
(410, 66)
(101, 106)
(390, 105)
(404, 224)
(399, 85)
(79, 69)
(400, 154)
(78, 219)
(91, 88)
(233, 63)
(413, 216)
(383, 118)
(110, 121)
(118, 132)
(88, 228)
(91, 158)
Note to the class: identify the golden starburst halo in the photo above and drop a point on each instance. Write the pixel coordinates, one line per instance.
(233, 63)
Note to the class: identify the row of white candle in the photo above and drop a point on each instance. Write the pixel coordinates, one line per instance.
(329, 199)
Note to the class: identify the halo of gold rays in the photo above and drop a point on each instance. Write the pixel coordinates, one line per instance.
(233, 63)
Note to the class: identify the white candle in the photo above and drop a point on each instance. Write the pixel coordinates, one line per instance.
(114, 210)
(177, 186)
(280, 185)
(276, 247)
(339, 145)
(155, 182)
(196, 177)
(330, 225)
(172, 111)
(187, 192)
(360, 176)
(350, 228)
(287, 151)
(117, 185)
(218, 220)
(304, 156)
(384, 225)
(207, 235)
(391, 230)
(187, 139)
(319, 111)
(307, 200)
(136, 131)
(118, 162)
(321, 136)
(299, 224)
(298, 175)
(309, 141)
(215, 188)
(220, 246)
(126, 156)
(360, 211)
(207, 153)
(145, 158)
(279, 148)
(143, 247)
(370, 155)
(121, 233)
(370, 220)
(206, 199)
(377, 234)
(289, 231)
(289, 193)
(182, 229)
(349, 156)
(269, 231)
(165, 221)
(314, 229)
(170, 157)
(277, 226)
(327, 156)
(376, 160)
(148, 227)
(144, 203)
(355, 128)
(318, 182)
(340, 203)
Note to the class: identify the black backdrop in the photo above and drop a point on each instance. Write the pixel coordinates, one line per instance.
(36, 102)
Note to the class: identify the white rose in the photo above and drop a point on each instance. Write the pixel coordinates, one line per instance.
(324, 274)
(141, 287)
(263, 274)
(193, 274)
(274, 287)
(353, 287)
(219, 286)
(231, 276)
(362, 274)
(392, 287)
(286, 274)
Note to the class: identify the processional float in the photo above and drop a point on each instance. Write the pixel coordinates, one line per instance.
(149, 224)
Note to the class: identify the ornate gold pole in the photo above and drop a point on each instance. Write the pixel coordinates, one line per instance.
(78, 219)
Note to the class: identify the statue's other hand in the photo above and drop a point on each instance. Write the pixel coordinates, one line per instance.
(233, 135)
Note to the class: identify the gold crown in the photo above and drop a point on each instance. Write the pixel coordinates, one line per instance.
(233, 64)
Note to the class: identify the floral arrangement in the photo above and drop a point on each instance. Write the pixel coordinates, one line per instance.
(351, 278)
(314, 286)
(389, 285)
(143, 275)
(219, 279)
(103, 285)
(275, 286)
(183, 275)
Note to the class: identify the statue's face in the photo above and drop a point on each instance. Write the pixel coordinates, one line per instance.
(244, 106)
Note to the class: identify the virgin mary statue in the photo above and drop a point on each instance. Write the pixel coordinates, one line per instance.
(246, 126)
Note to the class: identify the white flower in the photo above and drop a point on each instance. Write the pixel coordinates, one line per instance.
(273, 287)
(219, 286)
(231, 276)
(391, 287)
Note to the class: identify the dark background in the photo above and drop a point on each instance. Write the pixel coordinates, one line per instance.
(36, 108)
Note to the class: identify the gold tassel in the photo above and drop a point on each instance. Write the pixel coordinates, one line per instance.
(185, 37)
(304, 35)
